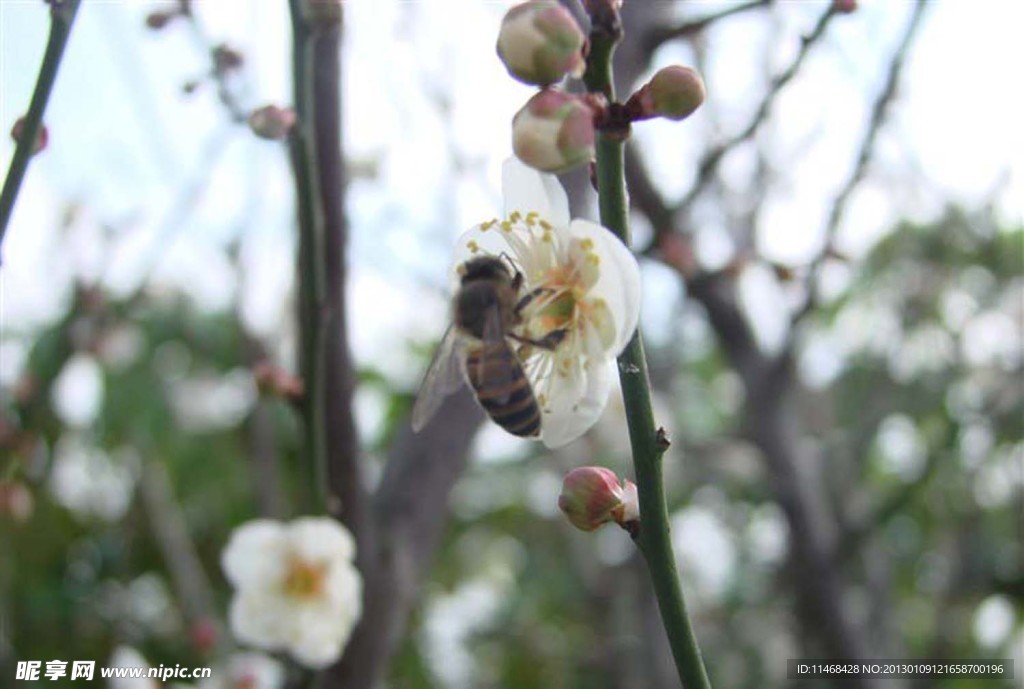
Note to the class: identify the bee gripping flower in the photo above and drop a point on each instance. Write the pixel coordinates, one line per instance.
(296, 588)
(539, 42)
(592, 496)
(578, 278)
(554, 132)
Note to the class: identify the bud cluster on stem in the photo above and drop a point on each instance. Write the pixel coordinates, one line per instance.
(540, 44)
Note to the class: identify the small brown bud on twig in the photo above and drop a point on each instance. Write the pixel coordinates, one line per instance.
(272, 122)
(274, 380)
(42, 138)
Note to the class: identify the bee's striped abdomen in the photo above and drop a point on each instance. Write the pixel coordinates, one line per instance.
(502, 388)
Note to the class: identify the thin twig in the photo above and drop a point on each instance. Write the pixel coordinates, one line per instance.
(170, 531)
(62, 17)
(879, 112)
(657, 37)
(220, 75)
(712, 159)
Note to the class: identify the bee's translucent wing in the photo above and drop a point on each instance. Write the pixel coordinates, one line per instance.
(445, 375)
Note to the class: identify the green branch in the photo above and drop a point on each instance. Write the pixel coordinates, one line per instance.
(62, 16)
(648, 442)
(310, 278)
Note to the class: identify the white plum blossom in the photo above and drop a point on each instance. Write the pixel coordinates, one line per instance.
(296, 588)
(128, 657)
(578, 277)
(247, 671)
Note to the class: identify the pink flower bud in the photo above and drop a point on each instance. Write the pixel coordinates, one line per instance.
(42, 138)
(15, 501)
(540, 42)
(204, 635)
(844, 6)
(553, 132)
(592, 496)
(272, 122)
(673, 93)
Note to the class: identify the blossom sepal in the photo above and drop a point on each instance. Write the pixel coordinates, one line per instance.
(554, 131)
(593, 496)
(540, 43)
(674, 93)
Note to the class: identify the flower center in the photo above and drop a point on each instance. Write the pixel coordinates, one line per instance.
(304, 579)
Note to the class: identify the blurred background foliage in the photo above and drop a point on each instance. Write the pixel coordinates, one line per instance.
(139, 426)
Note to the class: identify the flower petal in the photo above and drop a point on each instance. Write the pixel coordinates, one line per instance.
(253, 556)
(524, 190)
(321, 539)
(566, 422)
(344, 589)
(260, 619)
(320, 634)
(619, 281)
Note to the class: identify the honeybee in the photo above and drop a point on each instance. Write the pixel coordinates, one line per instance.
(476, 349)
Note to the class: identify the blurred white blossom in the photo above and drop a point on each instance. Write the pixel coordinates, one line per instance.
(296, 588)
(247, 671)
(91, 483)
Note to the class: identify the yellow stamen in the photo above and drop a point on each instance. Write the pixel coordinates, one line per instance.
(304, 579)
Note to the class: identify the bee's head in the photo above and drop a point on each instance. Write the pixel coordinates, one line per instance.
(484, 268)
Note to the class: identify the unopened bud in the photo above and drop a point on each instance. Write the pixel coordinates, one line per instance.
(274, 380)
(226, 59)
(272, 122)
(553, 132)
(540, 42)
(844, 6)
(158, 20)
(15, 501)
(592, 496)
(42, 137)
(673, 93)
(204, 634)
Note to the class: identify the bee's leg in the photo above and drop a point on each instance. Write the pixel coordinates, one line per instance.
(527, 298)
(517, 276)
(549, 341)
